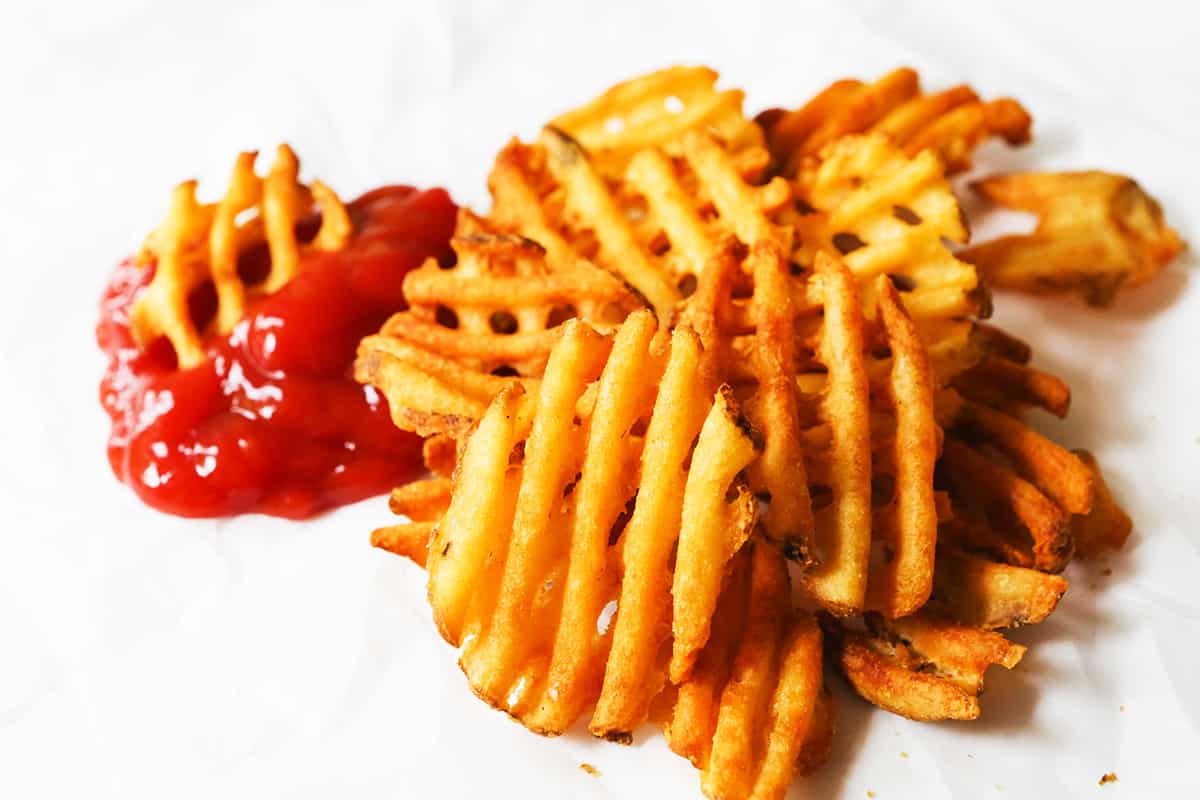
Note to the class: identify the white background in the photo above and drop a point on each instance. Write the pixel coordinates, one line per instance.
(147, 656)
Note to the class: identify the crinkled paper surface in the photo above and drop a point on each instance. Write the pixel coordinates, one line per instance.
(147, 656)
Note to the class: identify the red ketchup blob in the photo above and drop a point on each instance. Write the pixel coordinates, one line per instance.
(273, 422)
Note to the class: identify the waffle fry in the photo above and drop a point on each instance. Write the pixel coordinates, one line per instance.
(920, 667)
(426, 392)
(657, 228)
(755, 707)
(201, 242)
(886, 213)
(1106, 526)
(603, 467)
(655, 110)
(521, 565)
(950, 123)
(1054, 470)
(1096, 233)
(499, 306)
(1011, 387)
(982, 593)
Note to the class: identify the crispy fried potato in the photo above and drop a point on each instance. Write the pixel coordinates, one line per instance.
(950, 123)
(631, 679)
(1096, 233)
(986, 594)
(499, 306)
(1009, 500)
(201, 242)
(779, 474)
(439, 453)
(426, 392)
(533, 545)
(1011, 386)
(921, 667)
(754, 709)
(408, 539)
(902, 584)
(421, 501)
(713, 527)
(1106, 526)
(1054, 470)
(839, 582)
(655, 110)
(886, 213)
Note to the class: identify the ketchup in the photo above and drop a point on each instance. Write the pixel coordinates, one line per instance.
(273, 422)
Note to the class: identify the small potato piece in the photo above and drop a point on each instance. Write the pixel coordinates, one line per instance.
(922, 667)
(421, 501)
(1096, 233)
(1106, 526)
(408, 539)
(983, 593)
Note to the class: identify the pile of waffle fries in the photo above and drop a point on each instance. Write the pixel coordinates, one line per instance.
(711, 406)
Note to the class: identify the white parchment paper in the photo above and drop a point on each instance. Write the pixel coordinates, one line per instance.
(147, 656)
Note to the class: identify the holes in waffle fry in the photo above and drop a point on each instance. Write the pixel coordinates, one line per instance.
(847, 243)
(906, 215)
(501, 322)
(446, 317)
(560, 314)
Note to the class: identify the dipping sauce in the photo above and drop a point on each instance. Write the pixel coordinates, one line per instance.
(273, 422)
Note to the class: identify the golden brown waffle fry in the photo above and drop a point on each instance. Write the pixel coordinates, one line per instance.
(631, 679)
(886, 213)
(901, 584)
(422, 501)
(439, 453)
(1096, 233)
(979, 592)
(655, 110)
(1106, 526)
(408, 539)
(921, 667)
(657, 228)
(780, 473)
(1010, 386)
(950, 123)
(1057, 472)
(498, 307)
(426, 392)
(754, 708)
(839, 581)
(522, 564)
(201, 242)
(1011, 502)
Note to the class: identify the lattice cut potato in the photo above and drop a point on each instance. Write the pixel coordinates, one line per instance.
(617, 481)
(655, 110)
(1096, 233)
(201, 242)
(885, 213)
(950, 123)
(922, 667)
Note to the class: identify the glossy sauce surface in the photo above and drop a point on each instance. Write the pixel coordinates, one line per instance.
(273, 422)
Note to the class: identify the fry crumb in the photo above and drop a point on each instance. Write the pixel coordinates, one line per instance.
(870, 793)
(1122, 707)
(1108, 777)
(903, 754)
(589, 769)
